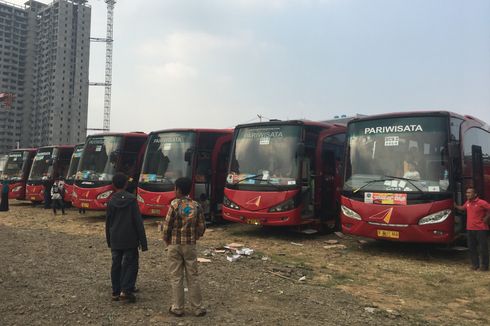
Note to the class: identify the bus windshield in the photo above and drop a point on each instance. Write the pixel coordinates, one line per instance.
(165, 157)
(75, 159)
(99, 158)
(406, 154)
(265, 155)
(14, 167)
(42, 166)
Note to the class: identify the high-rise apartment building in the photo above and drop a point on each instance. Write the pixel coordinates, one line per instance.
(44, 61)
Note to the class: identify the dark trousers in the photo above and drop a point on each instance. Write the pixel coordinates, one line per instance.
(124, 270)
(47, 199)
(58, 203)
(4, 204)
(478, 246)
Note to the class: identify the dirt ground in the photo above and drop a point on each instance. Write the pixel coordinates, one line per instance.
(54, 270)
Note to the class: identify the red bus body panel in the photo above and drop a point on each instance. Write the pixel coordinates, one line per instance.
(17, 190)
(254, 208)
(408, 215)
(156, 203)
(35, 193)
(68, 193)
(87, 197)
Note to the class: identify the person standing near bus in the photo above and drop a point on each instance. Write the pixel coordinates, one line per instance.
(4, 204)
(57, 193)
(182, 227)
(477, 219)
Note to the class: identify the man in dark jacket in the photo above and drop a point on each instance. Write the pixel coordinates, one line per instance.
(125, 232)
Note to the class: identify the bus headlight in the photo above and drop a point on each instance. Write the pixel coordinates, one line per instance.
(230, 204)
(105, 194)
(140, 199)
(16, 189)
(435, 218)
(74, 194)
(350, 213)
(285, 206)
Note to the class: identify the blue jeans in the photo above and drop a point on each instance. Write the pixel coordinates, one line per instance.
(124, 270)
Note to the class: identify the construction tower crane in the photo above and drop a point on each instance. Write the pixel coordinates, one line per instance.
(108, 65)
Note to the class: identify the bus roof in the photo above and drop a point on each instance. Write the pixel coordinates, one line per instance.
(421, 113)
(129, 134)
(197, 130)
(290, 122)
(56, 146)
(23, 150)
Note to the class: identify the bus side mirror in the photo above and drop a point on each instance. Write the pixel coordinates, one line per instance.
(188, 155)
(113, 157)
(454, 149)
(300, 150)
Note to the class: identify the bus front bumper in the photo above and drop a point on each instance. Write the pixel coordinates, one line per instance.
(429, 233)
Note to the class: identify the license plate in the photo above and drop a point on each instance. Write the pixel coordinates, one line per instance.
(155, 211)
(85, 205)
(253, 221)
(33, 198)
(388, 234)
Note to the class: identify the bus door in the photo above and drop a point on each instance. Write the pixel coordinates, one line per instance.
(220, 159)
(63, 162)
(203, 187)
(330, 163)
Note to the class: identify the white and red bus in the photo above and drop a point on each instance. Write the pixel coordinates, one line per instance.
(50, 163)
(72, 172)
(200, 154)
(403, 172)
(285, 173)
(16, 170)
(103, 156)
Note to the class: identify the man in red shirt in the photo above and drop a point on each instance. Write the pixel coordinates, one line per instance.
(477, 219)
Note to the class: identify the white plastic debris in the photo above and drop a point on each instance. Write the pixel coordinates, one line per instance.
(233, 258)
(309, 231)
(245, 251)
(296, 244)
(336, 246)
(302, 278)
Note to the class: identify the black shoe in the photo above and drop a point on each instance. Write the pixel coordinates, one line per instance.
(127, 297)
(174, 313)
(484, 269)
(115, 297)
(202, 313)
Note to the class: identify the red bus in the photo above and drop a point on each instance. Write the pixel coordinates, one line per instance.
(50, 162)
(72, 172)
(405, 170)
(103, 156)
(200, 154)
(285, 173)
(17, 169)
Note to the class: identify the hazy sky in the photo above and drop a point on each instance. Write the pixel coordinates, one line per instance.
(218, 63)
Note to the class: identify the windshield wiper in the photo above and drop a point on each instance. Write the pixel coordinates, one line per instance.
(387, 178)
(368, 183)
(405, 179)
(253, 177)
(256, 176)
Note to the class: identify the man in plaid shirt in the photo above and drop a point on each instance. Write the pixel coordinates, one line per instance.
(183, 225)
